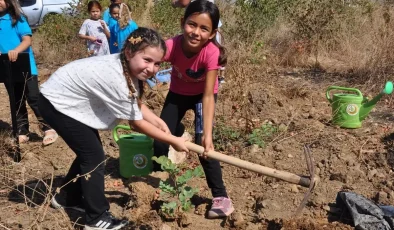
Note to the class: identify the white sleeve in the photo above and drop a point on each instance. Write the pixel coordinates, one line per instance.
(84, 28)
(106, 26)
(110, 86)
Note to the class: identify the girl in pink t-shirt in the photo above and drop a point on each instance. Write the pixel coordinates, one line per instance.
(196, 57)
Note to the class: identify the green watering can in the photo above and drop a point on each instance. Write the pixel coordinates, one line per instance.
(136, 152)
(350, 109)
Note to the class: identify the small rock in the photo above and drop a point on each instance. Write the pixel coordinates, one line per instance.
(263, 162)
(305, 115)
(312, 112)
(236, 219)
(382, 198)
(165, 227)
(201, 209)
(290, 156)
(275, 186)
(389, 183)
(350, 162)
(320, 165)
(381, 175)
(282, 128)
(259, 204)
(185, 220)
(278, 147)
(318, 200)
(371, 174)
(254, 149)
(317, 125)
(326, 207)
(28, 155)
(280, 103)
(338, 177)
(294, 189)
(275, 120)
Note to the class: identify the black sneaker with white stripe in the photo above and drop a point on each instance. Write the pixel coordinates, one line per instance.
(106, 222)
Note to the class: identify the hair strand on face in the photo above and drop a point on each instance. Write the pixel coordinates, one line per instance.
(15, 11)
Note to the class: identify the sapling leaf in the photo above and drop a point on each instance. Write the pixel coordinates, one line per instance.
(167, 188)
(166, 164)
(189, 192)
(186, 205)
(181, 180)
(198, 171)
(169, 208)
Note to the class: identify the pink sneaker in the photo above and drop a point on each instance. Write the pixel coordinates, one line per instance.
(221, 207)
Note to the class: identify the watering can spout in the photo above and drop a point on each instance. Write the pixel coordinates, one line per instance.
(367, 106)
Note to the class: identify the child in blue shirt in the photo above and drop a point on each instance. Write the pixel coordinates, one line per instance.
(112, 23)
(15, 37)
(124, 26)
(107, 13)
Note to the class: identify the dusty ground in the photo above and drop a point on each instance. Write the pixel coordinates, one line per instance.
(358, 160)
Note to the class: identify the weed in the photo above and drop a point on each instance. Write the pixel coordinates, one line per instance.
(223, 134)
(175, 192)
(262, 134)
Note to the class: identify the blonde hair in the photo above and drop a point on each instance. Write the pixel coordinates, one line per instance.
(125, 15)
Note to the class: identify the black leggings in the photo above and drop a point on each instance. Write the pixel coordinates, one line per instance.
(27, 91)
(85, 142)
(173, 111)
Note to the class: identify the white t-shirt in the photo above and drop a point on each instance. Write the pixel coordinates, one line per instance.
(94, 28)
(93, 91)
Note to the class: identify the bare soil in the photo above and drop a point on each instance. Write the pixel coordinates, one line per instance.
(358, 160)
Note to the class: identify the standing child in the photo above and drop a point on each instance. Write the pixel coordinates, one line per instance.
(185, 3)
(15, 37)
(112, 24)
(107, 12)
(95, 31)
(93, 94)
(196, 57)
(124, 26)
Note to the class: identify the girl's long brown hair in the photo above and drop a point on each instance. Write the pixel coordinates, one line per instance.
(138, 40)
(15, 10)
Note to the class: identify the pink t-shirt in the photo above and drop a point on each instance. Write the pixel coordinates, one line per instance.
(188, 74)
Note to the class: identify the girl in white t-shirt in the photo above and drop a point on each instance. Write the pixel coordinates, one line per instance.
(95, 31)
(93, 94)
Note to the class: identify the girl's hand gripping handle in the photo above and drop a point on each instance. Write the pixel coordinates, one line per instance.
(179, 145)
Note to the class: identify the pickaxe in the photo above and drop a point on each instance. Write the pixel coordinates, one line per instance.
(305, 181)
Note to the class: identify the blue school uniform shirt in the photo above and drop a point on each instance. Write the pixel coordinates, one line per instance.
(113, 40)
(11, 37)
(106, 16)
(124, 33)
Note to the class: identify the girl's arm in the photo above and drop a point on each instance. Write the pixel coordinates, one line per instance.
(84, 30)
(152, 131)
(150, 117)
(208, 108)
(86, 37)
(26, 43)
(105, 28)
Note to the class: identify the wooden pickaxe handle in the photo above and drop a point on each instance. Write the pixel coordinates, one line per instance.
(282, 175)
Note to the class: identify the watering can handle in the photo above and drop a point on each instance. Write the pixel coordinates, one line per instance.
(341, 88)
(115, 131)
